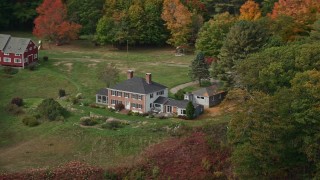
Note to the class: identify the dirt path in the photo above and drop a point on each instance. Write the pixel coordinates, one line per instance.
(181, 86)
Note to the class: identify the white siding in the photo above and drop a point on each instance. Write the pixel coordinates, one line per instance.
(151, 100)
(204, 101)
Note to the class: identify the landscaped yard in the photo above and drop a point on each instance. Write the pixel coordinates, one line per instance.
(74, 68)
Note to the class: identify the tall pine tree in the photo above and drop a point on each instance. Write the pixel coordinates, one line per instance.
(199, 69)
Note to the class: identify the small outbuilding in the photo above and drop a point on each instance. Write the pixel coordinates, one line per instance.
(208, 96)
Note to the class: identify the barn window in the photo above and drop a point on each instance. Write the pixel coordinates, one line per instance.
(30, 48)
(17, 60)
(17, 54)
(6, 59)
(7, 54)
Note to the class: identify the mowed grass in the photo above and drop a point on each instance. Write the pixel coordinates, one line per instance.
(75, 68)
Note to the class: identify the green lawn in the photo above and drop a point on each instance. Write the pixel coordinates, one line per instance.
(74, 68)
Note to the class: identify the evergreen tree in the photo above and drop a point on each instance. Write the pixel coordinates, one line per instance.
(190, 110)
(244, 38)
(199, 69)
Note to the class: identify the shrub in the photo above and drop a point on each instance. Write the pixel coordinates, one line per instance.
(50, 109)
(88, 122)
(179, 95)
(10, 70)
(17, 101)
(190, 110)
(30, 121)
(93, 105)
(182, 117)
(32, 67)
(162, 117)
(119, 107)
(130, 113)
(14, 109)
(74, 100)
(113, 125)
(45, 58)
(62, 93)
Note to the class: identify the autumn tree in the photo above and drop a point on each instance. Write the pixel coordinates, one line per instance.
(250, 11)
(178, 21)
(302, 12)
(52, 23)
(213, 33)
(199, 69)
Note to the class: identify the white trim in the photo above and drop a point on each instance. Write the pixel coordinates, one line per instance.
(17, 60)
(6, 59)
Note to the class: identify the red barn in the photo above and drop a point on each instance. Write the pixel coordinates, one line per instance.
(17, 52)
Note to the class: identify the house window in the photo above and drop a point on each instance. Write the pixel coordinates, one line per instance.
(169, 109)
(119, 93)
(6, 59)
(104, 99)
(140, 97)
(151, 96)
(200, 97)
(137, 106)
(134, 96)
(17, 54)
(35, 56)
(7, 54)
(17, 60)
(113, 93)
(99, 98)
(160, 93)
(126, 95)
(113, 102)
(150, 105)
(183, 111)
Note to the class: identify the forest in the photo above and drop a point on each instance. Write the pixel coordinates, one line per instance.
(266, 53)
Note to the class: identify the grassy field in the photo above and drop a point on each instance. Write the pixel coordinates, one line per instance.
(74, 68)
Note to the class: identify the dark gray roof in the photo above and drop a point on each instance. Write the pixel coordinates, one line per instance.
(15, 45)
(3, 40)
(177, 103)
(173, 102)
(207, 91)
(161, 100)
(138, 85)
(103, 91)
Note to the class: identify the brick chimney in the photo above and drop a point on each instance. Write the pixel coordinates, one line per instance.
(148, 78)
(130, 74)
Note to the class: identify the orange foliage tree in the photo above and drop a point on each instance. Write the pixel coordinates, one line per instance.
(303, 13)
(178, 20)
(250, 11)
(52, 24)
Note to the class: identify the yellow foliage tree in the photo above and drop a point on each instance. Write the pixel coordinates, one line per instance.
(250, 11)
(178, 20)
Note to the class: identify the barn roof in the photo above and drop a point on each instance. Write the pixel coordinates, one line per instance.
(4, 38)
(15, 45)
